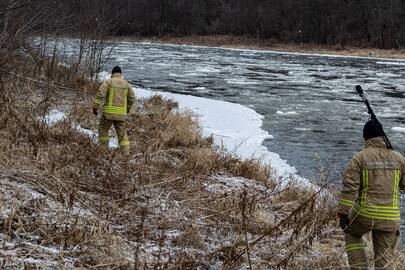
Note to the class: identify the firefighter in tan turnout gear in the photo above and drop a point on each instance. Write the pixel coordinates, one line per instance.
(369, 201)
(118, 97)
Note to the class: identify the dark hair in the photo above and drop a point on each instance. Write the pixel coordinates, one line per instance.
(372, 129)
(116, 69)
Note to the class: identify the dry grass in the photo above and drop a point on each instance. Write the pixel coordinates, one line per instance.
(178, 202)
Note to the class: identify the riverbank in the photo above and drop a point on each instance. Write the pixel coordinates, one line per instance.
(228, 41)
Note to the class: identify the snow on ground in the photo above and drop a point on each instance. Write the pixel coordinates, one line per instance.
(233, 126)
(54, 116)
(221, 184)
(113, 143)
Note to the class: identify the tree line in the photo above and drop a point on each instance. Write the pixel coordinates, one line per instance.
(376, 23)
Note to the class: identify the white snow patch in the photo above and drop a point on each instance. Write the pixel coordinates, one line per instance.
(54, 116)
(49, 250)
(220, 184)
(399, 129)
(233, 126)
(38, 262)
(113, 143)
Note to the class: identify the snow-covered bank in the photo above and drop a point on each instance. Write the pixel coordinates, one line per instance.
(233, 126)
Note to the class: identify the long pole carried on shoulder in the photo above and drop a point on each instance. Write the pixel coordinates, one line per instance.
(373, 116)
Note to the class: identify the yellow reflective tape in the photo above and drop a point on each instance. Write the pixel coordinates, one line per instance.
(365, 188)
(362, 192)
(104, 139)
(355, 246)
(381, 206)
(395, 195)
(377, 210)
(124, 143)
(115, 110)
(97, 101)
(110, 97)
(346, 204)
(125, 97)
(118, 109)
(397, 188)
(381, 216)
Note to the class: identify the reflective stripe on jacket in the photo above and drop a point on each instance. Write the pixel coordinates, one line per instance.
(371, 183)
(118, 97)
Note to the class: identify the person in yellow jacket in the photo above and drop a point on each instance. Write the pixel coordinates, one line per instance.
(369, 201)
(118, 98)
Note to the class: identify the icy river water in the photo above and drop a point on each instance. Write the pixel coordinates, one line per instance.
(308, 101)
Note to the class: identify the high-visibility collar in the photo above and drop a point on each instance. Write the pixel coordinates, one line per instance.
(116, 75)
(377, 142)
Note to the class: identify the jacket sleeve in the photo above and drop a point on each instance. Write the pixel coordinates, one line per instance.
(102, 92)
(131, 98)
(402, 180)
(351, 185)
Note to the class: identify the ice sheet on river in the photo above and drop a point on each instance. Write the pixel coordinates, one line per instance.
(234, 126)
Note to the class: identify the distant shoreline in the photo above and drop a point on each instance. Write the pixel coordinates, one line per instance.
(227, 41)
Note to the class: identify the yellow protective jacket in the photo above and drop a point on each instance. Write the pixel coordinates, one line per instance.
(371, 183)
(118, 98)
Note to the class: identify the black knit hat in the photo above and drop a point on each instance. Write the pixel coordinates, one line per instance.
(372, 129)
(116, 69)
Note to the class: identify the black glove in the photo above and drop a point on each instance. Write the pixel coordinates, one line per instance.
(344, 222)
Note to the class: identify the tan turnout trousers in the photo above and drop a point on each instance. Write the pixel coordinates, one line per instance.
(120, 129)
(384, 240)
